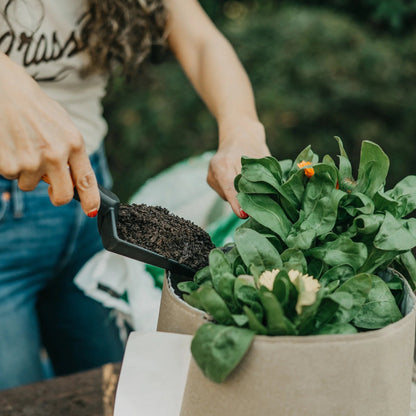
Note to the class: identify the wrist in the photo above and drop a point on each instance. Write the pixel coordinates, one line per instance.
(240, 128)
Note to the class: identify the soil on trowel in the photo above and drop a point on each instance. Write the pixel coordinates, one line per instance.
(158, 230)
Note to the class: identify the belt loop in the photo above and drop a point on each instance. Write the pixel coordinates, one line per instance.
(17, 197)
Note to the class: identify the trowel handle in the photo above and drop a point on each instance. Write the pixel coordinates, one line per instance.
(108, 199)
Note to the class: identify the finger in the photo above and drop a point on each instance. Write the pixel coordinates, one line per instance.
(85, 182)
(227, 191)
(61, 190)
(29, 180)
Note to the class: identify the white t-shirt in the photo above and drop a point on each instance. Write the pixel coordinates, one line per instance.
(43, 37)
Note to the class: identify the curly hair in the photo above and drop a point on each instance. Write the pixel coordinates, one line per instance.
(123, 33)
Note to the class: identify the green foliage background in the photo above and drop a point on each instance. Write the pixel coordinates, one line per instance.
(318, 69)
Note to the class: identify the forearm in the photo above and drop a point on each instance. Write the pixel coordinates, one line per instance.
(210, 63)
(222, 83)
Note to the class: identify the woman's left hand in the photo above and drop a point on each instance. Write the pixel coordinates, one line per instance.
(242, 138)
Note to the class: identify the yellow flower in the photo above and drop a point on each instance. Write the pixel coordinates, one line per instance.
(309, 172)
(267, 278)
(307, 288)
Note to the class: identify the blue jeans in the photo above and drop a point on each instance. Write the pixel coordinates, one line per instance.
(42, 247)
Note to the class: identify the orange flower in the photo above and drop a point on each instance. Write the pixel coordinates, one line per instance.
(309, 172)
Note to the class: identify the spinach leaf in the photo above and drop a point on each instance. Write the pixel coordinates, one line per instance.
(293, 258)
(373, 169)
(405, 194)
(380, 308)
(345, 169)
(357, 203)
(342, 273)
(358, 287)
(256, 251)
(320, 208)
(213, 303)
(218, 349)
(396, 234)
(339, 328)
(306, 155)
(266, 211)
(254, 322)
(275, 316)
(340, 252)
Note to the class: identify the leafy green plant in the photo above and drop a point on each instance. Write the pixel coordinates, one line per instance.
(317, 255)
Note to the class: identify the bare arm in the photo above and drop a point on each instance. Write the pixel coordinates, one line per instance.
(37, 137)
(219, 78)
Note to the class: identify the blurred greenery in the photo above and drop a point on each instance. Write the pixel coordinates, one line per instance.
(318, 69)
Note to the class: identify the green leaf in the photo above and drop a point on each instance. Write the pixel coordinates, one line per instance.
(218, 349)
(254, 170)
(357, 203)
(285, 166)
(345, 170)
(306, 155)
(377, 260)
(247, 295)
(368, 224)
(380, 308)
(222, 277)
(240, 319)
(408, 261)
(404, 193)
(269, 163)
(358, 287)
(282, 288)
(248, 187)
(373, 169)
(396, 234)
(212, 303)
(275, 316)
(383, 203)
(306, 321)
(193, 300)
(267, 212)
(218, 265)
(187, 287)
(339, 328)
(320, 209)
(293, 258)
(202, 275)
(256, 251)
(341, 251)
(254, 323)
(294, 188)
(342, 273)
(326, 311)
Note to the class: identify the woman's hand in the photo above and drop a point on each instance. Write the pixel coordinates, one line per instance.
(37, 138)
(242, 138)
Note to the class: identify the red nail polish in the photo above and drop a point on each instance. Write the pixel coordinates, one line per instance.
(243, 214)
(93, 213)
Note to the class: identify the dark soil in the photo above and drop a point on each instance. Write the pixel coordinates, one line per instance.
(158, 230)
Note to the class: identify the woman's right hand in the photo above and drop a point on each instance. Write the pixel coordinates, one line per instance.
(37, 138)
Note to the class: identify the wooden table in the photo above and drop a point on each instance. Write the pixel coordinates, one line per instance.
(90, 393)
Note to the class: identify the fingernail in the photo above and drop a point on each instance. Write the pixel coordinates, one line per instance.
(93, 213)
(243, 214)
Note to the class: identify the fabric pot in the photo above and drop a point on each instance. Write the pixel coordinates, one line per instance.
(175, 315)
(365, 374)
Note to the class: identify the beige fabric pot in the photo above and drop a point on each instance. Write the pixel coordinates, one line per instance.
(366, 374)
(177, 316)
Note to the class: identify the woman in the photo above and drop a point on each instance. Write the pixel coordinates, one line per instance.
(55, 59)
